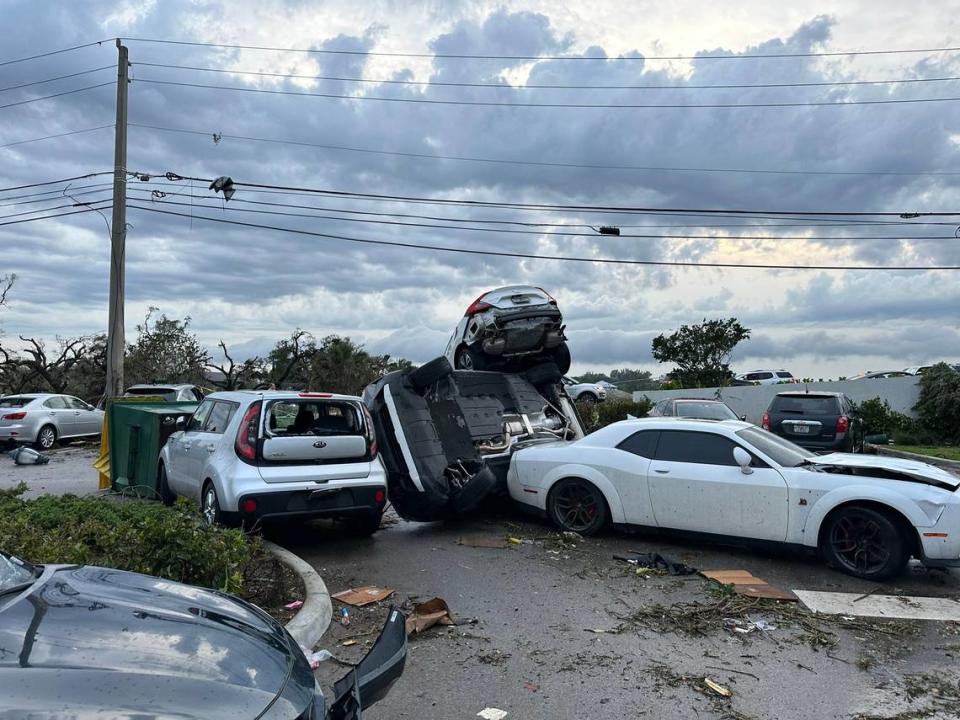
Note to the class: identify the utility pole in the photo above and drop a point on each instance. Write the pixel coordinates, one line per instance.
(116, 340)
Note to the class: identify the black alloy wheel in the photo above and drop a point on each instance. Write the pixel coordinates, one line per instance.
(577, 506)
(865, 543)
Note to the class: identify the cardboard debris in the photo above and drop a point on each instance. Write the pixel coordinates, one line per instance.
(348, 643)
(749, 586)
(361, 596)
(901, 607)
(717, 688)
(427, 614)
(492, 713)
(483, 541)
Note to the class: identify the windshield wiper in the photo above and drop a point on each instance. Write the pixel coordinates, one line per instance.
(17, 588)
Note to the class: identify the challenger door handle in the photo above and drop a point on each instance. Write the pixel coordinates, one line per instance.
(662, 472)
(186, 446)
(211, 447)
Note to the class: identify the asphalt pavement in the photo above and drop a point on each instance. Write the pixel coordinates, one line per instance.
(556, 633)
(70, 470)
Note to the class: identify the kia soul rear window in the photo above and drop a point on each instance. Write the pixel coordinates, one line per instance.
(309, 417)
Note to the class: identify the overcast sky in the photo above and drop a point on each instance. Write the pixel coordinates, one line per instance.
(251, 286)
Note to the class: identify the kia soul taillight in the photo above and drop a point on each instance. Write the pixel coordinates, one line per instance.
(246, 443)
(765, 423)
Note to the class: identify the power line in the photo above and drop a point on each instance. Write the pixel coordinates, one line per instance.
(56, 207)
(58, 135)
(59, 195)
(59, 77)
(580, 106)
(54, 52)
(548, 233)
(540, 256)
(55, 95)
(56, 182)
(54, 192)
(459, 56)
(55, 215)
(535, 163)
(546, 206)
(446, 218)
(536, 86)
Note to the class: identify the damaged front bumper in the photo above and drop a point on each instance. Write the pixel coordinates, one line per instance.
(446, 437)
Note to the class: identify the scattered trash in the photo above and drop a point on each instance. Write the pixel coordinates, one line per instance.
(531, 686)
(749, 586)
(570, 535)
(656, 561)
(344, 616)
(602, 631)
(515, 541)
(348, 643)
(427, 614)
(361, 596)
(747, 626)
(295, 605)
(28, 456)
(492, 713)
(315, 658)
(717, 688)
(482, 541)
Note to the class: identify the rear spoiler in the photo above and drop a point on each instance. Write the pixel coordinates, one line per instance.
(372, 678)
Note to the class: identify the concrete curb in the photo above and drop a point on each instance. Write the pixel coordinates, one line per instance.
(929, 459)
(313, 619)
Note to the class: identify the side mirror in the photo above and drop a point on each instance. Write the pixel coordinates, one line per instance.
(743, 417)
(181, 422)
(743, 459)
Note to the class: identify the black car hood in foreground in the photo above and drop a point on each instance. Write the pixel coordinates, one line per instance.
(89, 643)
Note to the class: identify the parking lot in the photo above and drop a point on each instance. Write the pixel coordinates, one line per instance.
(562, 630)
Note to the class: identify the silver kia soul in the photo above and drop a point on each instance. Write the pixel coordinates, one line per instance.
(249, 455)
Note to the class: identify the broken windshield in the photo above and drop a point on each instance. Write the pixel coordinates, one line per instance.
(783, 452)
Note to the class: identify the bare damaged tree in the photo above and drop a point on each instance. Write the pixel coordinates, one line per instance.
(249, 373)
(6, 282)
(289, 359)
(54, 371)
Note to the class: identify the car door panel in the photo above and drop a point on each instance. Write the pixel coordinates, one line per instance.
(60, 416)
(182, 473)
(711, 497)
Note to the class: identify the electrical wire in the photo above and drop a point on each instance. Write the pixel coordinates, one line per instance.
(55, 215)
(59, 195)
(56, 207)
(59, 77)
(54, 52)
(57, 182)
(446, 218)
(459, 56)
(545, 206)
(58, 135)
(534, 163)
(579, 106)
(55, 192)
(548, 233)
(55, 95)
(536, 86)
(541, 256)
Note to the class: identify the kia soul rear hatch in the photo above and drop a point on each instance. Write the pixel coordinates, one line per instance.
(315, 435)
(806, 417)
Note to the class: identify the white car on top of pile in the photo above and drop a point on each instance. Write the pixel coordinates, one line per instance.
(866, 515)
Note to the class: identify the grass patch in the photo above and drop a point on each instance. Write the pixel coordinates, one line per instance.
(946, 452)
(144, 537)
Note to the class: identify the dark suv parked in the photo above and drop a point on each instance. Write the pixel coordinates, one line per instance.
(819, 421)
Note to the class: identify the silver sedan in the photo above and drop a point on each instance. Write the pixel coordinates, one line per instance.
(44, 418)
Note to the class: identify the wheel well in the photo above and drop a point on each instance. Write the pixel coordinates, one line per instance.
(606, 503)
(899, 519)
(585, 393)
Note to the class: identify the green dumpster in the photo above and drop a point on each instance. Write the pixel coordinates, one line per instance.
(137, 432)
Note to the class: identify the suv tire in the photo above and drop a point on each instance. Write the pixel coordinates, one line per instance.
(163, 487)
(469, 358)
(477, 489)
(561, 356)
(546, 374)
(426, 375)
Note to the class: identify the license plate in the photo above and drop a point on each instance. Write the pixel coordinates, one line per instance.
(801, 429)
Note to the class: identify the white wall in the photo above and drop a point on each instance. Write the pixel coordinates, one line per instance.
(752, 400)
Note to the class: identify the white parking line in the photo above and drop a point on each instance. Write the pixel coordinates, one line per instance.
(885, 606)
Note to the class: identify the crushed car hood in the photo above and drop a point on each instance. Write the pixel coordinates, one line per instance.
(919, 471)
(94, 643)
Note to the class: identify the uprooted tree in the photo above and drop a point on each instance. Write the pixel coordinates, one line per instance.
(701, 352)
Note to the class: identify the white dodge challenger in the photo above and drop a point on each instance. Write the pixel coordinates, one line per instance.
(867, 515)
